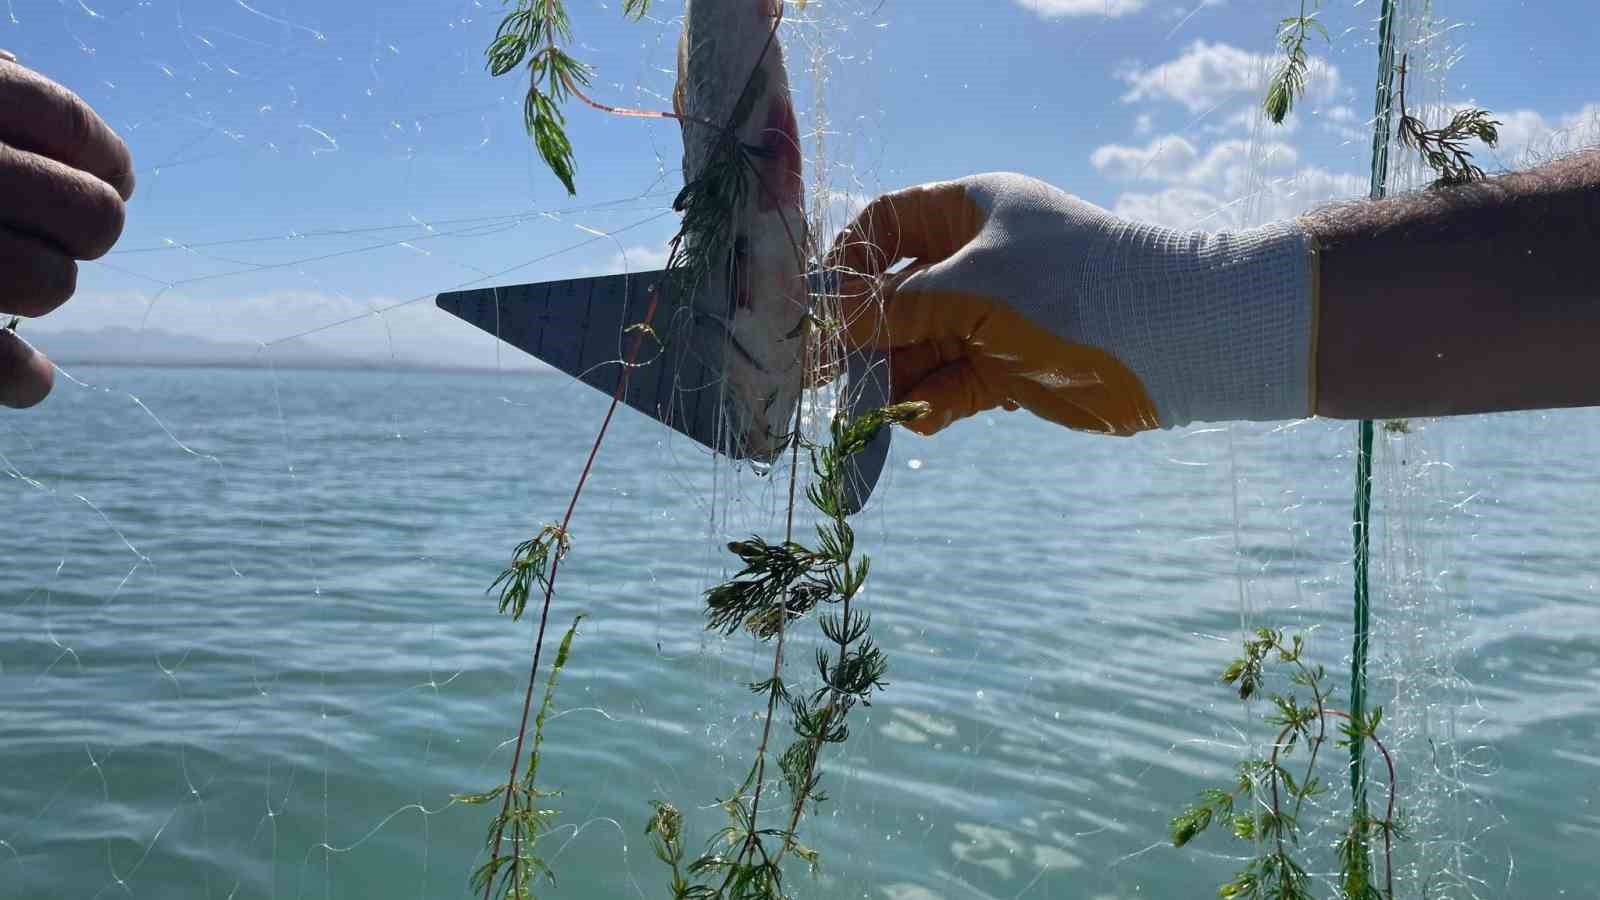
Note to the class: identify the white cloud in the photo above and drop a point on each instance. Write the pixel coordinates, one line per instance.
(1225, 185)
(1527, 137)
(1144, 124)
(1519, 129)
(1208, 177)
(1164, 157)
(1223, 168)
(1344, 123)
(1226, 167)
(1196, 181)
(1183, 12)
(1246, 119)
(1203, 76)
(1176, 207)
(640, 258)
(1207, 75)
(1058, 9)
(1214, 207)
(841, 207)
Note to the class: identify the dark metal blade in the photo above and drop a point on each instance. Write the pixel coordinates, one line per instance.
(586, 327)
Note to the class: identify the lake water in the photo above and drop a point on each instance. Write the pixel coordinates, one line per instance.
(246, 650)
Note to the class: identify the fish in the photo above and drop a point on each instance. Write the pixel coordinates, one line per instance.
(756, 292)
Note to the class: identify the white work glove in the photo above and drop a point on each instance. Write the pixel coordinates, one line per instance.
(1021, 295)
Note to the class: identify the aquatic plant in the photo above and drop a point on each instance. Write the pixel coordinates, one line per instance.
(1288, 82)
(1444, 149)
(779, 583)
(537, 32)
(522, 810)
(1277, 874)
(1264, 804)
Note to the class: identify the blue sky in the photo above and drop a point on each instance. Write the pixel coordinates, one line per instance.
(273, 125)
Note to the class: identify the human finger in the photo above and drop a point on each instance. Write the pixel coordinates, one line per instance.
(43, 117)
(925, 223)
(907, 366)
(52, 200)
(911, 365)
(953, 392)
(25, 375)
(1086, 390)
(38, 276)
(912, 307)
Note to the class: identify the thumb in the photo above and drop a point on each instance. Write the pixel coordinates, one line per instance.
(25, 374)
(914, 306)
(925, 223)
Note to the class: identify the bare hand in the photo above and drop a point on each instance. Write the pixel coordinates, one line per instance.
(64, 175)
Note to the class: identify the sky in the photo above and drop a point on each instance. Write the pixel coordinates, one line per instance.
(312, 172)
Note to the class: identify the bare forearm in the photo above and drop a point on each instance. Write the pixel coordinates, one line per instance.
(1478, 298)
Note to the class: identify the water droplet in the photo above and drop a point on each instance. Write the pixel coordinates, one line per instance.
(915, 464)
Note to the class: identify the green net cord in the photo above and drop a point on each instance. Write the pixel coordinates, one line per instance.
(1362, 519)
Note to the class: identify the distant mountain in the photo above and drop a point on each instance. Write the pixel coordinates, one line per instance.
(126, 346)
(120, 346)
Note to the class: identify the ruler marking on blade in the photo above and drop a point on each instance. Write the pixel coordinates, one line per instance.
(713, 428)
(543, 318)
(648, 354)
(663, 368)
(505, 318)
(507, 303)
(580, 367)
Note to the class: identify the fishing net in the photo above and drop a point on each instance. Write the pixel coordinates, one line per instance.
(245, 644)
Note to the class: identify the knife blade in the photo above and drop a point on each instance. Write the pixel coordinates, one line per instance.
(585, 327)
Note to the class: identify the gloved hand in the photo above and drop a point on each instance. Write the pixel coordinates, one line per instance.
(63, 178)
(1020, 295)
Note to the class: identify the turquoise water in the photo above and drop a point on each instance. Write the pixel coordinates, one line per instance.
(245, 649)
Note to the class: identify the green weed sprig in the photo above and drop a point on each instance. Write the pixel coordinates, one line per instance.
(778, 583)
(530, 568)
(1444, 150)
(537, 32)
(522, 813)
(1253, 807)
(1288, 83)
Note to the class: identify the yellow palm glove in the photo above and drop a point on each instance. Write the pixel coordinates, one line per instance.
(1020, 295)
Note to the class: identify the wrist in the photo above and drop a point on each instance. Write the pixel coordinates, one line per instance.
(1218, 326)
